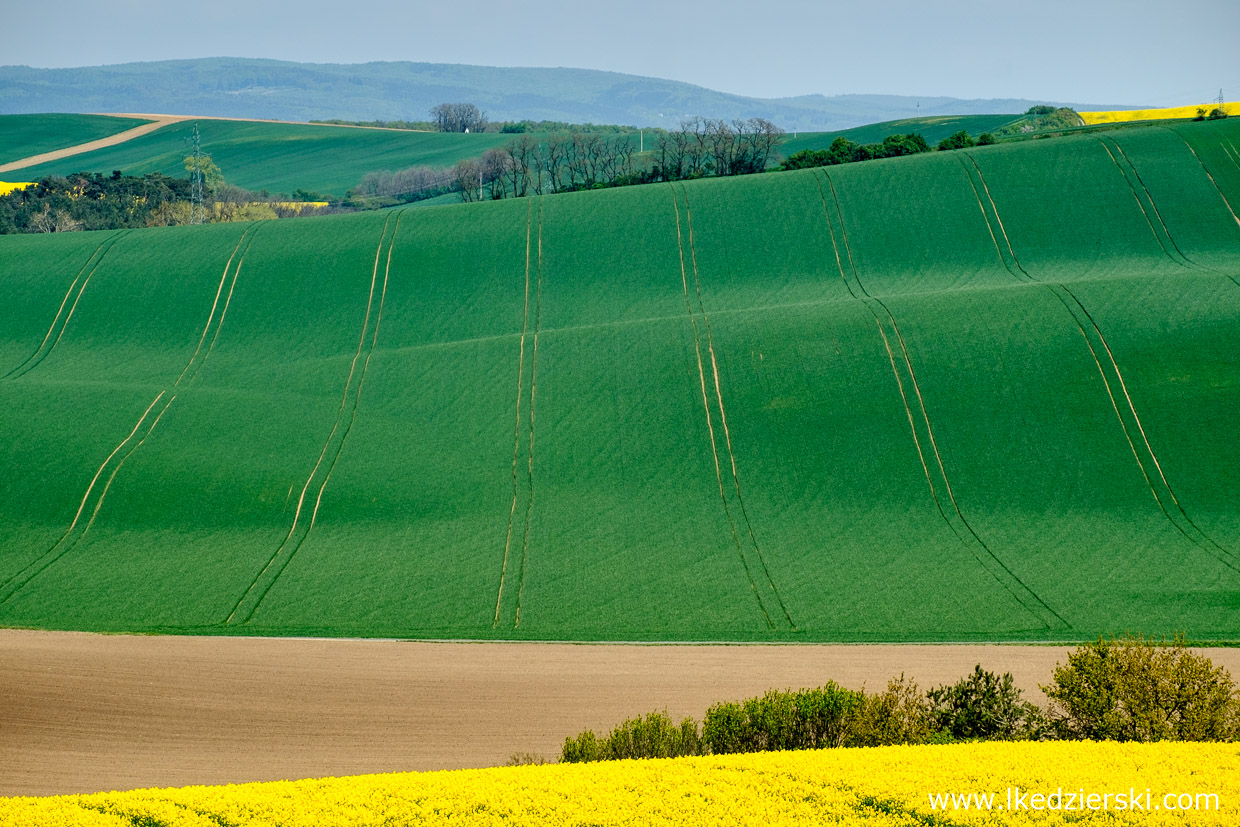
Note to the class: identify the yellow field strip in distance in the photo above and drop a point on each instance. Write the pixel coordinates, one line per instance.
(6, 187)
(1092, 118)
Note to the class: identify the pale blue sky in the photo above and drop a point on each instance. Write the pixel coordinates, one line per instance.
(1104, 51)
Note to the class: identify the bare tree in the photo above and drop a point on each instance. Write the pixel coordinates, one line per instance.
(467, 176)
(66, 223)
(721, 145)
(413, 181)
(495, 166)
(524, 167)
(759, 140)
(43, 222)
(554, 160)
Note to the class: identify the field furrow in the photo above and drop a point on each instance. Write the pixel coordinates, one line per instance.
(74, 536)
(928, 451)
(1217, 188)
(58, 325)
(529, 454)
(769, 581)
(710, 427)
(1149, 210)
(1112, 378)
(254, 595)
(516, 435)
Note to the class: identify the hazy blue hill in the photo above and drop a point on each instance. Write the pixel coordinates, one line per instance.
(245, 88)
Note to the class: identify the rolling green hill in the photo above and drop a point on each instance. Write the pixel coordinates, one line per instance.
(982, 395)
(933, 129)
(278, 157)
(22, 136)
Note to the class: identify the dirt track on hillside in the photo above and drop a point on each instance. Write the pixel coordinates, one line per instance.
(83, 713)
(157, 122)
(112, 140)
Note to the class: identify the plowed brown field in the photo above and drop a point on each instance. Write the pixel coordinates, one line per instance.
(84, 713)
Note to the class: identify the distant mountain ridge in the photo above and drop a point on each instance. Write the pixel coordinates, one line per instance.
(253, 88)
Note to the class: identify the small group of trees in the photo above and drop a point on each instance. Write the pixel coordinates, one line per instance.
(92, 201)
(1206, 114)
(458, 117)
(844, 151)
(1119, 690)
(710, 146)
(565, 162)
(412, 184)
(559, 162)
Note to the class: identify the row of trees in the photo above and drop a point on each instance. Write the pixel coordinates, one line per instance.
(532, 164)
(563, 162)
(844, 151)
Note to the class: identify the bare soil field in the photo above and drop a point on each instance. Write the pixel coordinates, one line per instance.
(84, 713)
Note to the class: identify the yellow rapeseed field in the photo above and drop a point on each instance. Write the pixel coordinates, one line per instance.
(1092, 118)
(1030, 783)
(7, 187)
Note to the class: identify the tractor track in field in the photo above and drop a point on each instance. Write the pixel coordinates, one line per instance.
(710, 426)
(1139, 188)
(74, 293)
(516, 434)
(72, 537)
(948, 509)
(1206, 170)
(1134, 431)
(723, 415)
(529, 456)
(346, 415)
(1233, 155)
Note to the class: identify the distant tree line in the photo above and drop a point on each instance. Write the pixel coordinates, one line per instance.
(566, 162)
(844, 151)
(533, 164)
(502, 127)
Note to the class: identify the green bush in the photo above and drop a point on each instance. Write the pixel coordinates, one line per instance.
(805, 719)
(652, 736)
(584, 747)
(1133, 689)
(985, 139)
(899, 715)
(984, 706)
(956, 140)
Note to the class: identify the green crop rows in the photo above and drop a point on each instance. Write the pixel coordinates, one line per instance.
(278, 157)
(977, 395)
(22, 136)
